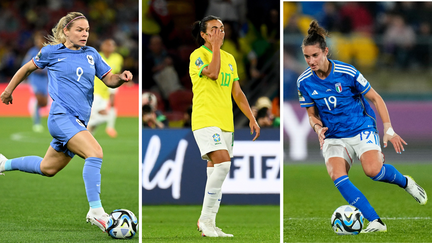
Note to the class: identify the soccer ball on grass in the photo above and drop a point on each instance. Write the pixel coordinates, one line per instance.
(122, 224)
(347, 220)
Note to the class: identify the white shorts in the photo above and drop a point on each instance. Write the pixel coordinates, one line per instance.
(210, 139)
(348, 148)
(99, 104)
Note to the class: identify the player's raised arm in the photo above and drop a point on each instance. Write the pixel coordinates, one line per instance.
(115, 80)
(19, 76)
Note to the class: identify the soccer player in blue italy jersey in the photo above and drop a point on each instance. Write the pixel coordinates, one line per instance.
(72, 67)
(334, 94)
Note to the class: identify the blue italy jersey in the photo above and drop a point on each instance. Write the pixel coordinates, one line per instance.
(71, 74)
(339, 99)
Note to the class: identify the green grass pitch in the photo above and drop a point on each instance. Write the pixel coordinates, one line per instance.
(34, 208)
(172, 223)
(310, 199)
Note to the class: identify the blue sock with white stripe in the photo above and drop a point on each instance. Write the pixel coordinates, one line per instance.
(92, 180)
(391, 175)
(355, 197)
(29, 164)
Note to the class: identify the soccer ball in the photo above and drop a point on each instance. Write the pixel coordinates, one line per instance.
(347, 220)
(122, 224)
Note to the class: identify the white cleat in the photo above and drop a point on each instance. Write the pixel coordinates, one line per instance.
(3, 160)
(221, 233)
(207, 228)
(375, 226)
(98, 220)
(418, 193)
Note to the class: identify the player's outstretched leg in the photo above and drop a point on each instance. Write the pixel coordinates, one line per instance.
(418, 193)
(356, 198)
(3, 160)
(391, 175)
(29, 164)
(92, 180)
(112, 115)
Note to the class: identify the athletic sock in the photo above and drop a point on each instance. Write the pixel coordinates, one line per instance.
(217, 204)
(112, 115)
(213, 188)
(92, 181)
(391, 175)
(355, 197)
(29, 164)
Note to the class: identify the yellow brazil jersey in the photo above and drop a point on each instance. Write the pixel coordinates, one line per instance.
(115, 61)
(212, 104)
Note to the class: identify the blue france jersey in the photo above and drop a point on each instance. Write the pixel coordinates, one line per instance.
(35, 77)
(339, 99)
(71, 74)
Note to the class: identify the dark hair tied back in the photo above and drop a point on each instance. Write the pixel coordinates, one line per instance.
(316, 35)
(201, 26)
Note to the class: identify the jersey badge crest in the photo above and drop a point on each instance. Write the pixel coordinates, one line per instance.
(338, 87)
(216, 138)
(38, 56)
(199, 63)
(90, 59)
(300, 95)
(231, 67)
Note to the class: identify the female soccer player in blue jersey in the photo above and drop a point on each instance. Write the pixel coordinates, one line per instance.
(215, 79)
(72, 67)
(333, 94)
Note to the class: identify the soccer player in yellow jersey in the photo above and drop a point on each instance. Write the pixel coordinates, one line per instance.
(214, 79)
(103, 109)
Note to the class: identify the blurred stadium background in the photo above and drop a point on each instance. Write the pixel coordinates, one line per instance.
(390, 43)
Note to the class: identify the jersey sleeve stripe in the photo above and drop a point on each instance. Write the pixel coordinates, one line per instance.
(200, 71)
(301, 78)
(367, 88)
(236, 79)
(341, 71)
(105, 74)
(35, 64)
(345, 67)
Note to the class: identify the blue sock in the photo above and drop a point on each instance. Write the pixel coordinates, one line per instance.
(30, 164)
(92, 180)
(391, 175)
(355, 198)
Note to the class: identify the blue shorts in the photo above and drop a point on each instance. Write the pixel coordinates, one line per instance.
(62, 127)
(39, 84)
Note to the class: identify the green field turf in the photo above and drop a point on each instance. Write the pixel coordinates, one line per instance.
(34, 208)
(310, 199)
(178, 223)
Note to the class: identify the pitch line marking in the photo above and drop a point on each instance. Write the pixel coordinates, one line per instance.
(384, 218)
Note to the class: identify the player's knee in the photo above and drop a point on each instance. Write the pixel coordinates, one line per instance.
(96, 152)
(50, 172)
(372, 171)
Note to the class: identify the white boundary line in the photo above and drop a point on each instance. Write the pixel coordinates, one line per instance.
(384, 218)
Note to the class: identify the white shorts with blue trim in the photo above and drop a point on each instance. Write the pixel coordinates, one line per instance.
(349, 148)
(210, 139)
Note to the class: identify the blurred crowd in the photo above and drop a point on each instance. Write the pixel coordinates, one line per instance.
(21, 19)
(368, 35)
(252, 35)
